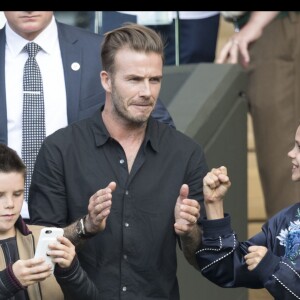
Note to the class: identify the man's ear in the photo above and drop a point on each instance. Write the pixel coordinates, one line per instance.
(105, 81)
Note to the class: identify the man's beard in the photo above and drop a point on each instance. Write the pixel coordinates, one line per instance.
(121, 112)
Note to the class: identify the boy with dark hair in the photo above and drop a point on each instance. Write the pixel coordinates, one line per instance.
(21, 275)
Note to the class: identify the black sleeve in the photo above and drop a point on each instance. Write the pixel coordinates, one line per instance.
(75, 282)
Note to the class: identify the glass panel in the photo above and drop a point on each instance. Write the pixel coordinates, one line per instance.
(204, 25)
(82, 19)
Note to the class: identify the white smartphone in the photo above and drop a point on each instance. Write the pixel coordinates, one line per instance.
(48, 235)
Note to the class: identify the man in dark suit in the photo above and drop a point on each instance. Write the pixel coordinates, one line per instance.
(69, 61)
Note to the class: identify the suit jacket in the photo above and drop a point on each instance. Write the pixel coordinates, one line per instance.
(83, 87)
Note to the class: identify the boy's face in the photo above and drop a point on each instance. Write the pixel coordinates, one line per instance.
(11, 200)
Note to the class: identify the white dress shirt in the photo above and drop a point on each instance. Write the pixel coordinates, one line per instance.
(50, 63)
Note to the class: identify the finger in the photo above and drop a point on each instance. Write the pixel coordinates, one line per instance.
(64, 256)
(190, 210)
(252, 263)
(42, 268)
(222, 174)
(98, 211)
(184, 191)
(249, 255)
(224, 53)
(211, 180)
(253, 253)
(35, 278)
(252, 267)
(216, 171)
(112, 185)
(253, 248)
(100, 203)
(234, 52)
(223, 170)
(224, 179)
(188, 217)
(183, 228)
(253, 257)
(65, 241)
(109, 189)
(32, 262)
(103, 208)
(105, 191)
(245, 57)
(191, 203)
(249, 260)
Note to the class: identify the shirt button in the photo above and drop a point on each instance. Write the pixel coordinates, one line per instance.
(126, 193)
(124, 288)
(125, 256)
(126, 224)
(122, 161)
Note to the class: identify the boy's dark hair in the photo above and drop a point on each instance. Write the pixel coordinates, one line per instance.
(10, 161)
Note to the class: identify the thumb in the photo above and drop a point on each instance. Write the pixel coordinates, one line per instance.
(112, 185)
(184, 192)
(223, 170)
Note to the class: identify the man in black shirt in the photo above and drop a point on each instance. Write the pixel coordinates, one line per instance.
(152, 176)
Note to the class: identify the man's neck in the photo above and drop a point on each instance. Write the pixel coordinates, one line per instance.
(122, 130)
(130, 137)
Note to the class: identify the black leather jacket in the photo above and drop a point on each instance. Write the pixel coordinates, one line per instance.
(76, 285)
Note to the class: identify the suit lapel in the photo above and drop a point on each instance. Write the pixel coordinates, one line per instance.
(71, 58)
(71, 53)
(3, 111)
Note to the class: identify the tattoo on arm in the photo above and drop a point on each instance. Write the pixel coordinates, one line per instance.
(71, 233)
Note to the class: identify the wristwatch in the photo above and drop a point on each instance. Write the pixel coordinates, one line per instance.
(81, 231)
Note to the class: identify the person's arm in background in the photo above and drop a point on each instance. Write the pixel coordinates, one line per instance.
(221, 256)
(236, 49)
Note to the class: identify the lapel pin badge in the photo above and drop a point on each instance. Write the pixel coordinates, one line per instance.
(75, 66)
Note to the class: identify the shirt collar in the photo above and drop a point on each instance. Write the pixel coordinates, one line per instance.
(102, 135)
(46, 39)
(153, 133)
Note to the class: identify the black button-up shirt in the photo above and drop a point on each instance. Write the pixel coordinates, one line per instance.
(135, 256)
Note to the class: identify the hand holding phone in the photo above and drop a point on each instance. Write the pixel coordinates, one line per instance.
(48, 235)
